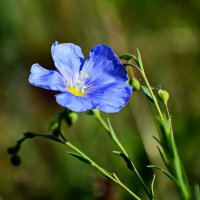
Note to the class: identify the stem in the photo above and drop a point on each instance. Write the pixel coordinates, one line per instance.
(67, 143)
(181, 176)
(121, 147)
(104, 172)
(132, 65)
(176, 162)
(169, 118)
(131, 71)
(180, 173)
(152, 94)
(116, 140)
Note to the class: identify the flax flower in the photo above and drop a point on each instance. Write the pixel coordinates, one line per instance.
(97, 83)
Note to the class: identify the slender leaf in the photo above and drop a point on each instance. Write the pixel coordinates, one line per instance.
(116, 177)
(126, 159)
(52, 137)
(166, 136)
(140, 64)
(117, 152)
(163, 171)
(111, 132)
(105, 175)
(164, 158)
(126, 57)
(147, 92)
(152, 186)
(157, 140)
(79, 157)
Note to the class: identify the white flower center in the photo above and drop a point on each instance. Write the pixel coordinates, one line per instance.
(78, 87)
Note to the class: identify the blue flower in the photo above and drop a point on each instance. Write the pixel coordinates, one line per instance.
(98, 83)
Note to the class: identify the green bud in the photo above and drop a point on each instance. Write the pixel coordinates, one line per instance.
(163, 95)
(56, 132)
(54, 127)
(71, 117)
(15, 160)
(135, 84)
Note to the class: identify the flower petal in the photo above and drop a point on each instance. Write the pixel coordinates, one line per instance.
(103, 66)
(68, 59)
(47, 79)
(110, 98)
(74, 103)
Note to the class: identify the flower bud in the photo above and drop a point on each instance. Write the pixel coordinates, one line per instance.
(135, 84)
(15, 160)
(163, 95)
(71, 117)
(55, 128)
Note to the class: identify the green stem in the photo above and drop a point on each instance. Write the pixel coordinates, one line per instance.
(152, 94)
(67, 143)
(169, 118)
(179, 170)
(181, 176)
(131, 71)
(116, 140)
(176, 162)
(103, 171)
(121, 147)
(132, 65)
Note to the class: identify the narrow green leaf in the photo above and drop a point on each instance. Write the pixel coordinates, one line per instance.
(126, 159)
(116, 177)
(139, 60)
(117, 152)
(136, 61)
(163, 171)
(111, 132)
(79, 157)
(107, 173)
(152, 186)
(147, 92)
(163, 156)
(166, 136)
(126, 57)
(157, 140)
(52, 137)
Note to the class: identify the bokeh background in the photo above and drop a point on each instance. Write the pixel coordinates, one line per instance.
(168, 36)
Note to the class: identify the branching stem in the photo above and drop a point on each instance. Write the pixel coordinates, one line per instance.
(177, 167)
(121, 147)
(103, 171)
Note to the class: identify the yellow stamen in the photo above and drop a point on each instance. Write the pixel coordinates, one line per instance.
(86, 76)
(75, 91)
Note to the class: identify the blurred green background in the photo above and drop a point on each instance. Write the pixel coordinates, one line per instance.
(168, 36)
